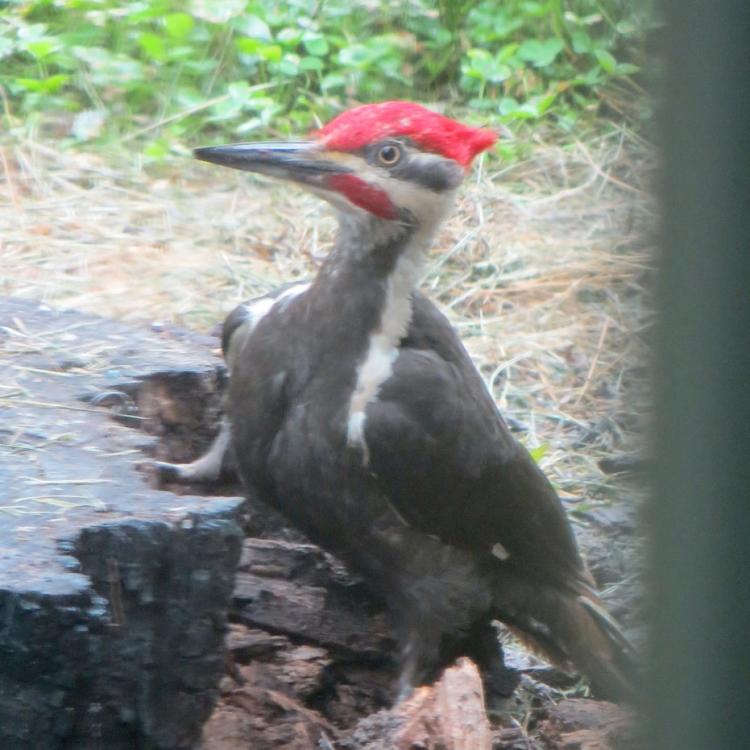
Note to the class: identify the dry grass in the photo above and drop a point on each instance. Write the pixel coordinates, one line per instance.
(541, 268)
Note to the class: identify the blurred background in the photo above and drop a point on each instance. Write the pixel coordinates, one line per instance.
(162, 73)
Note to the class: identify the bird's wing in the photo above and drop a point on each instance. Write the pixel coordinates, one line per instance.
(450, 466)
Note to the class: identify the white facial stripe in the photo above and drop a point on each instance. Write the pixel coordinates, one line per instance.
(427, 206)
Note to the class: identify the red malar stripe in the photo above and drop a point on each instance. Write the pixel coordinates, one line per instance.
(364, 194)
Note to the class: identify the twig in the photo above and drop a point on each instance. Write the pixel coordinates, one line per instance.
(41, 482)
(51, 405)
(594, 362)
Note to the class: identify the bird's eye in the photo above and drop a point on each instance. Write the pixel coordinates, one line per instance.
(389, 155)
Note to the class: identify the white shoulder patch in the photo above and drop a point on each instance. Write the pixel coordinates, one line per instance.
(499, 551)
(259, 308)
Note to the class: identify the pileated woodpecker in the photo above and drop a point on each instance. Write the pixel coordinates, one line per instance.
(357, 412)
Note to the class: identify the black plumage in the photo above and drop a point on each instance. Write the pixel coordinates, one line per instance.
(357, 412)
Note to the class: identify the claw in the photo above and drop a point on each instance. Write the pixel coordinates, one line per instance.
(111, 398)
(171, 472)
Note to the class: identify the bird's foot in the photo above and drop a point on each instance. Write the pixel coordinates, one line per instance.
(183, 473)
(206, 469)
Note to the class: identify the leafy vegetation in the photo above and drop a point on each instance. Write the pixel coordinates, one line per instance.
(166, 71)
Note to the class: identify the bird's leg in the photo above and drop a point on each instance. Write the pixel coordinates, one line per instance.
(437, 597)
(409, 667)
(424, 655)
(482, 645)
(207, 468)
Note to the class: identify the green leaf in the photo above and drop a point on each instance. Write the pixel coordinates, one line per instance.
(178, 25)
(545, 102)
(47, 85)
(540, 52)
(508, 105)
(269, 52)
(335, 81)
(505, 25)
(248, 46)
(106, 68)
(316, 45)
(226, 109)
(442, 37)
(510, 109)
(626, 69)
(254, 27)
(581, 41)
(156, 150)
(139, 11)
(153, 46)
(40, 48)
(484, 67)
(507, 52)
(309, 63)
(539, 452)
(605, 59)
(289, 65)
(534, 8)
(289, 36)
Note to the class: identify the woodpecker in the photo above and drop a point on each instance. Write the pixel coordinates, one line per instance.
(355, 410)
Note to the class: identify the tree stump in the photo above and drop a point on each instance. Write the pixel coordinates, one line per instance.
(137, 613)
(113, 594)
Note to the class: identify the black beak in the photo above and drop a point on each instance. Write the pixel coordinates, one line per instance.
(300, 161)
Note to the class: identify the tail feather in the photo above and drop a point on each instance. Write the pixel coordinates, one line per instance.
(573, 629)
(607, 622)
(597, 647)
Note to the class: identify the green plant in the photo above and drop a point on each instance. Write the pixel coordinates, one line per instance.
(532, 57)
(162, 71)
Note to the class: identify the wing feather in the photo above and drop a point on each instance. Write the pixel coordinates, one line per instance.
(451, 467)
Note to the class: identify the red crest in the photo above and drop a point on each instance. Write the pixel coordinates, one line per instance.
(431, 131)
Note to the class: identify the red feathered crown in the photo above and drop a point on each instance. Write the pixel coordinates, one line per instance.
(430, 131)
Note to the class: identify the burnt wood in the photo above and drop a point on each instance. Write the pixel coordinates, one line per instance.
(113, 594)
